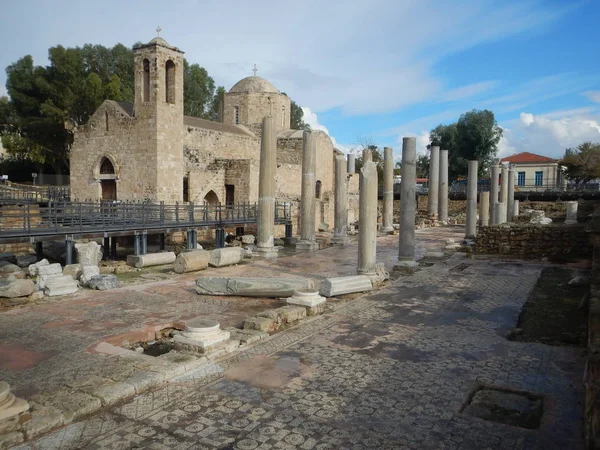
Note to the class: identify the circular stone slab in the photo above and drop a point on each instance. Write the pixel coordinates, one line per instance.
(305, 293)
(202, 326)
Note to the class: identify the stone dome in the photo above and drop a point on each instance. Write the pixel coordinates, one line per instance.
(254, 84)
(160, 41)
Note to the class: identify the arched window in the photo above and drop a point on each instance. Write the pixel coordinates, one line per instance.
(106, 167)
(236, 115)
(318, 189)
(146, 81)
(170, 81)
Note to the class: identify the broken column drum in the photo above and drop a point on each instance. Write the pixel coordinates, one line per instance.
(367, 225)
(434, 173)
(266, 191)
(307, 206)
(504, 194)
(471, 228)
(340, 234)
(351, 164)
(408, 204)
(443, 189)
(367, 155)
(387, 225)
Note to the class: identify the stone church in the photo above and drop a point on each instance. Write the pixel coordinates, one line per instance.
(151, 151)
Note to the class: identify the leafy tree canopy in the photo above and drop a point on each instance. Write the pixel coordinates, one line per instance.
(582, 162)
(474, 137)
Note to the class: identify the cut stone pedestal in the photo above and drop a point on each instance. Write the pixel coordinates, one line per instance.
(307, 246)
(306, 297)
(151, 259)
(10, 405)
(571, 213)
(63, 285)
(265, 252)
(88, 254)
(331, 287)
(199, 335)
(48, 272)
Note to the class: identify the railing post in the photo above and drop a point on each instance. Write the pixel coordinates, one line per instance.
(144, 239)
(69, 245)
(177, 212)
(136, 244)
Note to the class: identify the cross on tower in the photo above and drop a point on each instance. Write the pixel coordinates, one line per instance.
(158, 30)
(255, 70)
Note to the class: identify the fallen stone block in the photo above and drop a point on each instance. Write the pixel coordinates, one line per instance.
(7, 268)
(26, 260)
(88, 254)
(151, 259)
(264, 324)
(16, 288)
(226, 256)
(284, 315)
(87, 272)
(72, 404)
(246, 336)
(103, 282)
(248, 239)
(331, 287)
(33, 268)
(251, 287)
(63, 285)
(42, 420)
(47, 273)
(75, 270)
(191, 261)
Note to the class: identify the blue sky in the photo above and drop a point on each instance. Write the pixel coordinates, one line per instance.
(373, 70)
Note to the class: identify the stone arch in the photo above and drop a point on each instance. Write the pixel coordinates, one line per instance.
(102, 161)
(170, 81)
(211, 198)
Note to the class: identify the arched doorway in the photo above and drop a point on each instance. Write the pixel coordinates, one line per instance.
(211, 198)
(108, 180)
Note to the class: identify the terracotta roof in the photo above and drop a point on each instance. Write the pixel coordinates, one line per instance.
(526, 157)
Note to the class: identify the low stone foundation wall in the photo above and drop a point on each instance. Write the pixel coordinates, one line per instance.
(534, 241)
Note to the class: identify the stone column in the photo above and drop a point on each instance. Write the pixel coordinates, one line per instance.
(408, 204)
(510, 201)
(434, 174)
(266, 191)
(367, 220)
(516, 209)
(498, 210)
(484, 209)
(307, 202)
(443, 190)
(351, 164)
(471, 229)
(571, 213)
(388, 190)
(340, 233)
(504, 193)
(493, 193)
(367, 155)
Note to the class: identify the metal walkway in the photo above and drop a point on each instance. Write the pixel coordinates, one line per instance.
(30, 222)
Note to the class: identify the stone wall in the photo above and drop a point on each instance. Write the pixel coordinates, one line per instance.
(254, 106)
(534, 241)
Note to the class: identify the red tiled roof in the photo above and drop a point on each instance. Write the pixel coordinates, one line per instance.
(527, 157)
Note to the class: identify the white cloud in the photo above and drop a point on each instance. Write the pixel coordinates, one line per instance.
(311, 118)
(593, 96)
(548, 134)
(465, 92)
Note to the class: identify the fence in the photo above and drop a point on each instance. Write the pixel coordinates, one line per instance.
(64, 218)
(26, 193)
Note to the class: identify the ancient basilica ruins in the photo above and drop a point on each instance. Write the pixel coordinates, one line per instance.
(151, 151)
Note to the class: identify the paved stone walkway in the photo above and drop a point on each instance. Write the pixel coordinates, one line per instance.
(391, 370)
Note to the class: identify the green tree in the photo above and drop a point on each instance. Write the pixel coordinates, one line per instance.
(377, 156)
(198, 91)
(582, 163)
(214, 112)
(423, 166)
(474, 137)
(296, 117)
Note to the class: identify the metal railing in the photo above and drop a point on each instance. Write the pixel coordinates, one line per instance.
(25, 193)
(64, 218)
